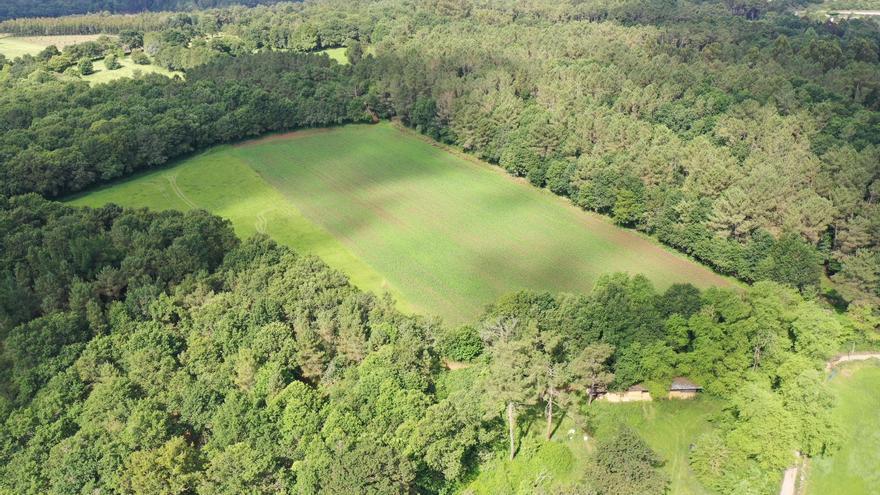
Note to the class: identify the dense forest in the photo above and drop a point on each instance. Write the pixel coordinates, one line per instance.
(157, 353)
(11, 9)
(742, 143)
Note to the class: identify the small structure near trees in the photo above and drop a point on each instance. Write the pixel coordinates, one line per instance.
(683, 388)
(636, 393)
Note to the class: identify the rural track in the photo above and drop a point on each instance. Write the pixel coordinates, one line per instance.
(172, 180)
(789, 479)
(262, 222)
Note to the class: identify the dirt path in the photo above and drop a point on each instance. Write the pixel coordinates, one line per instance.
(789, 480)
(262, 223)
(172, 180)
(853, 12)
(852, 356)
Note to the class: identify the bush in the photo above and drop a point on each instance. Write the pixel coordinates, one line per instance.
(461, 344)
(140, 58)
(111, 62)
(85, 67)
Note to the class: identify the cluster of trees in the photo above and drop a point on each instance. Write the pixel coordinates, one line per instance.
(763, 351)
(60, 137)
(156, 353)
(85, 24)
(11, 9)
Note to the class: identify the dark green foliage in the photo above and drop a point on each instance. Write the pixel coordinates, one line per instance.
(111, 62)
(85, 67)
(460, 344)
(53, 8)
(624, 465)
(163, 118)
(151, 353)
(131, 38)
(791, 261)
(640, 119)
(139, 57)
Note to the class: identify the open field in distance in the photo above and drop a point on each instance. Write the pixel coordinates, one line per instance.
(444, 234)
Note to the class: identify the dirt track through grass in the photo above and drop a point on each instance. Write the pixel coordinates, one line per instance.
(444, 234)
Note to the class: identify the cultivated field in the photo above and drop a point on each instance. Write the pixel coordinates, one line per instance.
(444, 234)
(854, 469)
(17, 46)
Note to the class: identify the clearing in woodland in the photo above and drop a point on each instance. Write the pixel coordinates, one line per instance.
(16, 46)
(442, 233)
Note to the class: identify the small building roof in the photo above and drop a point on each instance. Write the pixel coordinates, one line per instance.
(638, 387)
(682, 383)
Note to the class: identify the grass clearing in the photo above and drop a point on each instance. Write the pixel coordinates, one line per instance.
(128, 69)
(669, 427)
(220, 182)
(337, 54)
(16, 46)
(447, 234)
(854, 469)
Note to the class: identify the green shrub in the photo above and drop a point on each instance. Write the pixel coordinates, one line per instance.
(140, 58)
(461, 344)
(85, 67)
(111, 62)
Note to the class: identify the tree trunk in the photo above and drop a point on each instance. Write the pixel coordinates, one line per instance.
(550, 415)
(511, 424)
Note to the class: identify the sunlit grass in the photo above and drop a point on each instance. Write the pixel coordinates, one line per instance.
(445, 234)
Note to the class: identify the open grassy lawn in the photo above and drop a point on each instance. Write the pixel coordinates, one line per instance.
(669, 427)
(128, 69)
(337, 54)
(854, 469)
(16, 46)
(443, 233)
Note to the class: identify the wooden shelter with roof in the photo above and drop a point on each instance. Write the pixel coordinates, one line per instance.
(683, 388)
(636, 393)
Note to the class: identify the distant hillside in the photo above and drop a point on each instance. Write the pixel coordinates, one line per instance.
(11, 9)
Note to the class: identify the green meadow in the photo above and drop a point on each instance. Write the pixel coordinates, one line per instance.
(16, 46)
(444, 234)
(853, 469)
(669, 427)
(128, 69)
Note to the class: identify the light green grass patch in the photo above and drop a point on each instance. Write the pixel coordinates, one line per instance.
(669, 427)
(452, 234)
(853, 469)
(16, 46)
(448, 235)
(337, 54)
(128, 69)
(220, 182)
(539, 464)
